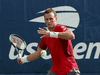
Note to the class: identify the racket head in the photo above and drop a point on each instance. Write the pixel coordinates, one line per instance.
(17, 41)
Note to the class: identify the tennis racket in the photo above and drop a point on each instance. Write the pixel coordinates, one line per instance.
(18, 43)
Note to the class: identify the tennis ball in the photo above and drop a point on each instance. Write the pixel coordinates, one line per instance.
(44, 53)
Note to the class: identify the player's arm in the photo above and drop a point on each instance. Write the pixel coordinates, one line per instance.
(66, 35)
(63, 35)
(30, 57)
(34, 55)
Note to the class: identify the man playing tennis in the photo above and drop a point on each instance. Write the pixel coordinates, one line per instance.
(58, 40)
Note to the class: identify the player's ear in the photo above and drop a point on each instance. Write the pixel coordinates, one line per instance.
(44, 18)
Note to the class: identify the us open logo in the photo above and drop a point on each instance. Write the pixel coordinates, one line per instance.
(67, 16)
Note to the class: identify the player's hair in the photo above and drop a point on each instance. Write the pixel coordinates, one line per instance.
(49, 10)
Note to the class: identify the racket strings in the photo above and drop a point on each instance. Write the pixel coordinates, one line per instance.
(19, 43)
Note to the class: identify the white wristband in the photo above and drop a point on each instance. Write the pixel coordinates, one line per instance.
(24, 59)
(54, 34)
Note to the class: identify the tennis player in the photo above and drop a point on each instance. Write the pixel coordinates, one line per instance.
(58, 40)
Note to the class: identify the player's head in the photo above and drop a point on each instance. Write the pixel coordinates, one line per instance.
(49, 10)
(50, 18)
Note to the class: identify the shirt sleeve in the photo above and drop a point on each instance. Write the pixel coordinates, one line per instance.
(42, 44)
(63, 28)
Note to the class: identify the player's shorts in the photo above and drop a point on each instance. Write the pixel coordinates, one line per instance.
(73, 72)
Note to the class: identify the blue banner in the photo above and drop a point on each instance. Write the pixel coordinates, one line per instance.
(24, 17)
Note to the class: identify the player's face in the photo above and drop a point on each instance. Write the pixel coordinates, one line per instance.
(50, 20)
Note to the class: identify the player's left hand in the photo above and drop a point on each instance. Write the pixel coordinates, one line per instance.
(19, 61)
(44, 32)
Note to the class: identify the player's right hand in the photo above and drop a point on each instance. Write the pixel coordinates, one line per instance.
(45, 33)
(19, 61)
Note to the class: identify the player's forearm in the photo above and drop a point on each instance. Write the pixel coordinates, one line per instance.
(63, 35)
(33, 56)
(66, 35)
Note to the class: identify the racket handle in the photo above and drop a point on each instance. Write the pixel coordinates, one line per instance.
(19, 55)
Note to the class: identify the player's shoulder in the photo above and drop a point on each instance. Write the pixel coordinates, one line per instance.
(61, 26)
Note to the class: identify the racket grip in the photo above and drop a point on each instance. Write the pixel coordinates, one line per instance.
(19, 55)
(19, 62)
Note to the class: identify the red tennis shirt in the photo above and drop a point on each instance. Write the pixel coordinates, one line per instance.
(61, 52)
